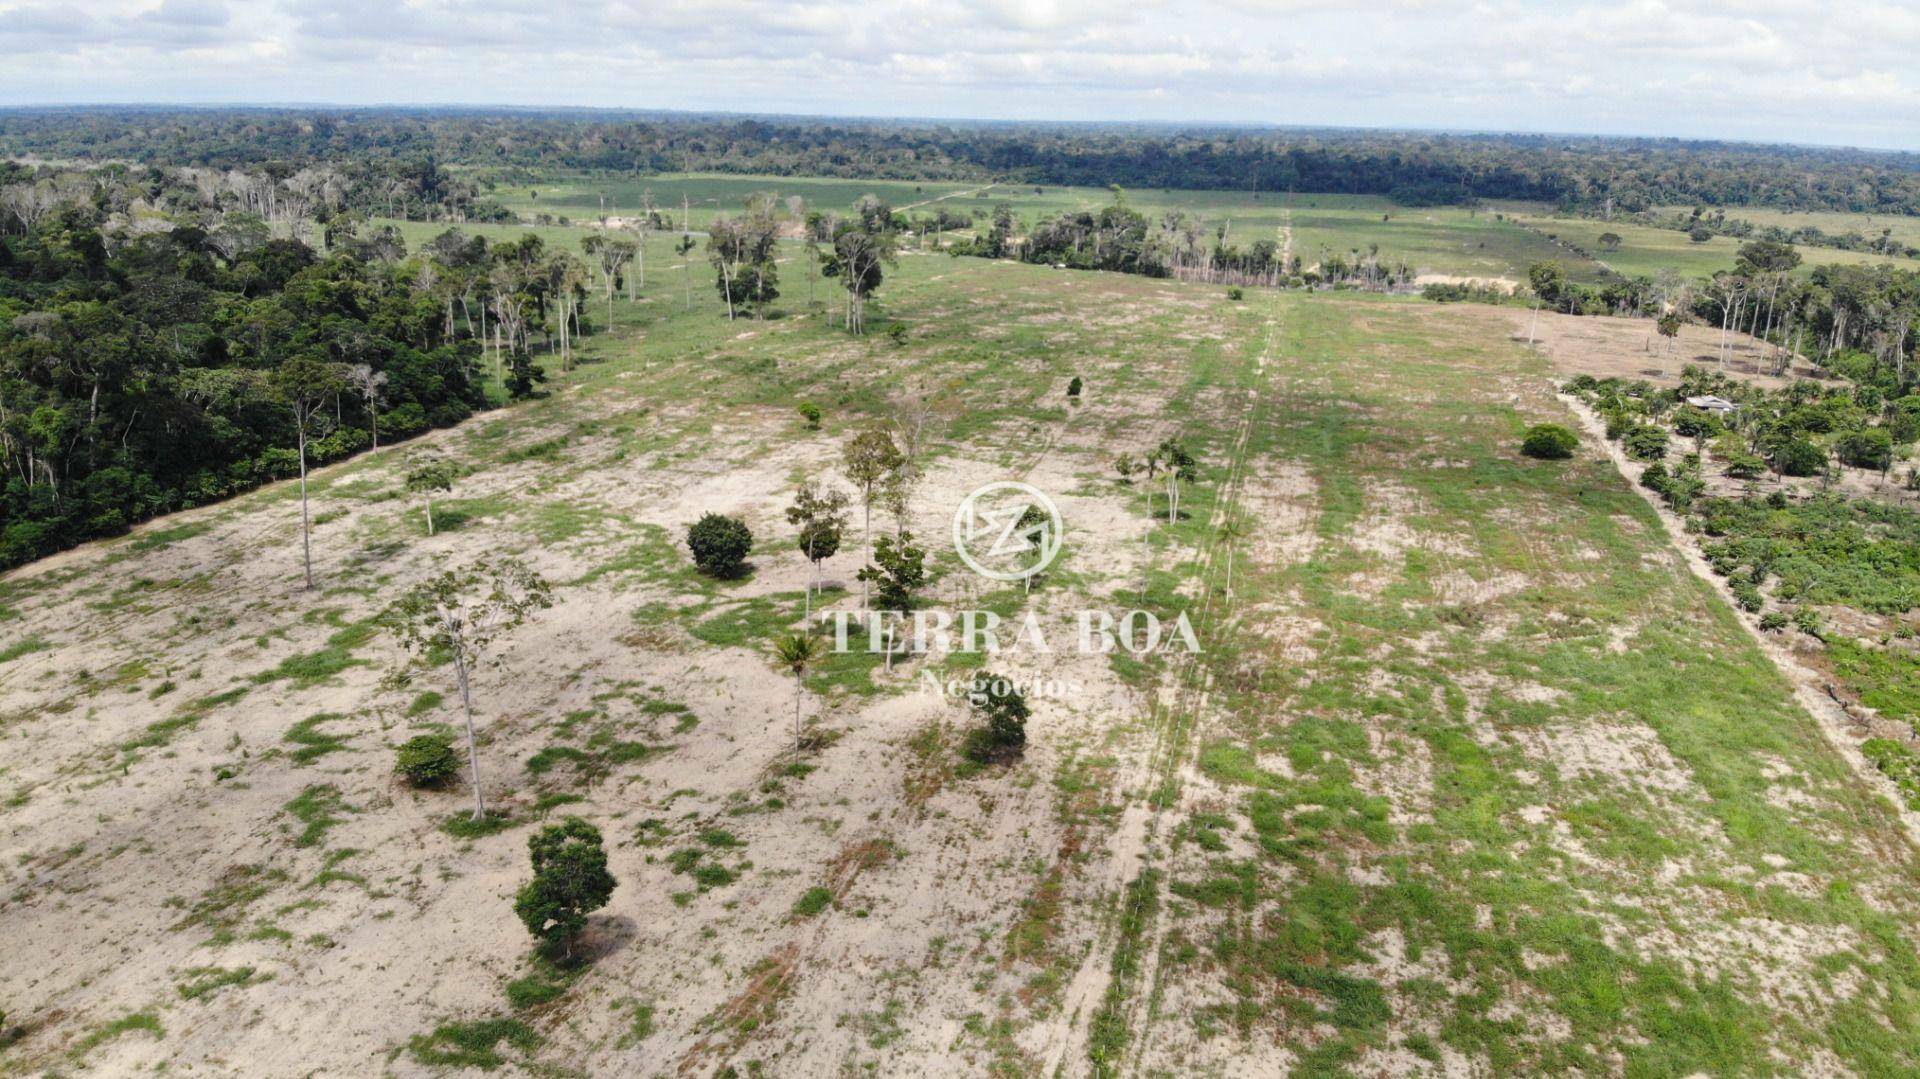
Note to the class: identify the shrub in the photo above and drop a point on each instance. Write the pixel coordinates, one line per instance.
(998, 702)
(1798, 457)
(1073, 386)
(1645, 442)
(719, 545)
(1236, 293)
(1773, 620)
(1549, 442)
(811, 413)
(1699, 234)
(428, 760)
(1742, 465)
(813, 902)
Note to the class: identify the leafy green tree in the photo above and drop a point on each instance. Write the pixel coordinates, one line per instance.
(742, 250)
(869, 457)
(460, 614)
(863, 246)
(898, 570)
(1692, 422)
(720, 545)
(429, 475)
(1799, 457)
(570, 881)
(1869, 448)
(1549, 282)
(1669, 326)
(1003, 712)
(821, 513)
(1181, 467)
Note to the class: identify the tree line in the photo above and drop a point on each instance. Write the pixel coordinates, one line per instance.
(1416, 168)
(1176, 244)
(155, 360)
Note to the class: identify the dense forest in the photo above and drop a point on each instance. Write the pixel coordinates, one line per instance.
(402, 149)
(164, 342)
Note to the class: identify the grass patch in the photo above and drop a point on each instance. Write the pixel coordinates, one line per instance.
(204, 982)
(319, 809)
(25, 646)
(314, 742)
(474, 1044)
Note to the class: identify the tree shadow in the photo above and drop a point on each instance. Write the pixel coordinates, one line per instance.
(603, 937)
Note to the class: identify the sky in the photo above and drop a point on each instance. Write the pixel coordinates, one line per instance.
(1756, 70)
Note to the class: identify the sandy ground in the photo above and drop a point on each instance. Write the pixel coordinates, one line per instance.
(151, 796)
(1607, 346)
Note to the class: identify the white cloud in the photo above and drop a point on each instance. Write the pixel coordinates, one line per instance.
(1762, 69)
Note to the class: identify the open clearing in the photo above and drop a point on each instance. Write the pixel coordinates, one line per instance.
(1492, 243)
(1472, 774)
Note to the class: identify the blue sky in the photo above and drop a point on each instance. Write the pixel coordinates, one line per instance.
(1766, 70)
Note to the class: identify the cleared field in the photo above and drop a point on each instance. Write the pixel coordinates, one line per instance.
(1904, 228)
(1447, 240)
(708, 194)
(1647, 251)
(1471, 776)
(1450, 241)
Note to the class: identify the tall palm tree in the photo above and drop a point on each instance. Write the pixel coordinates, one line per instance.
(796, 652)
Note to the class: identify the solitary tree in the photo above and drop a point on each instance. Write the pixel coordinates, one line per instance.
(1669, 326)
(1181, 467)
(1231, 529)
(795, 652)
(460, 614)
(869, 457)
(898, 570)
(719, 545)
(1003, 710)
(684, 248)
(306, 384)
(570, 881)
(821, 513)
(429, 474)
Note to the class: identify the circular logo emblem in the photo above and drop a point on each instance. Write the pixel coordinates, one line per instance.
(1007, 530)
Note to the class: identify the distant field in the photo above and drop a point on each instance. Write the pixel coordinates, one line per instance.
(1645, 250)
(1485, 242)
(1904, 228)
(1449, 240)
(708, 194)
